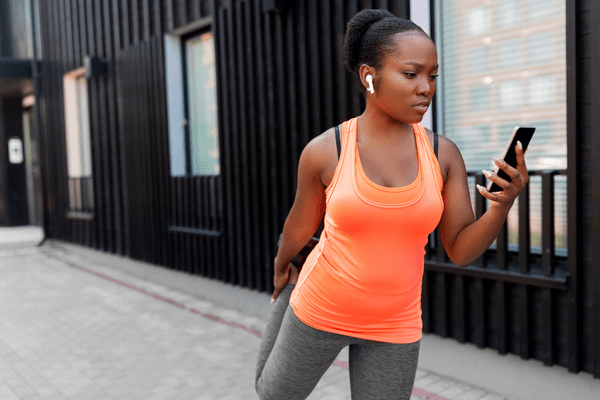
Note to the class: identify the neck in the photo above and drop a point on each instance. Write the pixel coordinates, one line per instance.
(374, 123)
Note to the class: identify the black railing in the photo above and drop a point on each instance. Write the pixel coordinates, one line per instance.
(533, 253)
(81, 194)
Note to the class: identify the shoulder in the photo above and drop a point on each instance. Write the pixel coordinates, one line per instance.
(320, 156)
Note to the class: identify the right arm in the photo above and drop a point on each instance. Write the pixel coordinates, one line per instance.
(314, 173)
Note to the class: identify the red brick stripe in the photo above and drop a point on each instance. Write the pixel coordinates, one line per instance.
(343, 364)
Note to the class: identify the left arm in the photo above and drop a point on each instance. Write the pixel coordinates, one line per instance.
(463, 237)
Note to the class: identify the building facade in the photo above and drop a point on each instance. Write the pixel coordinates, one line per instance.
(170, 132)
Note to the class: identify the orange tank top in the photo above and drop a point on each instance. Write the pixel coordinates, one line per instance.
(363, 279)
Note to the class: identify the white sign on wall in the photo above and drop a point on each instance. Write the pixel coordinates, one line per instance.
(15, 151)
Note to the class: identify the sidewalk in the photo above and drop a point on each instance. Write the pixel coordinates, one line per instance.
(81, 324)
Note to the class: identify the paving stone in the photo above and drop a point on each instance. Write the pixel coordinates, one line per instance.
(70, 334)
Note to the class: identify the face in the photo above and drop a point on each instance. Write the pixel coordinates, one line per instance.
(405, 85)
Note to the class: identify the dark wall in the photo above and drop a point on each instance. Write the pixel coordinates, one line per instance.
(588, 59)
(13, 182)
(14, 29)
(281, 81)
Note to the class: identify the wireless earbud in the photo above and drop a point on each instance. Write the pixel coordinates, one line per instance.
(370, 80)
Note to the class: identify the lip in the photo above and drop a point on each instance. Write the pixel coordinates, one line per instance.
(422, 107)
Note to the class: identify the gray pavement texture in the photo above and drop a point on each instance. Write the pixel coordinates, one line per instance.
(73, 328)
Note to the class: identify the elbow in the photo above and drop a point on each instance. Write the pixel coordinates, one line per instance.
(460, 261)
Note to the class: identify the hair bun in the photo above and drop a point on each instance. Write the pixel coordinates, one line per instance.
(357, 28)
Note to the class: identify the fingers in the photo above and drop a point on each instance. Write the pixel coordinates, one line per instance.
(521, 167)
(488, 195)
(492, 176)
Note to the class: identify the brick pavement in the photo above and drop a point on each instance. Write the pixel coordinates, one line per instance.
(72, 329)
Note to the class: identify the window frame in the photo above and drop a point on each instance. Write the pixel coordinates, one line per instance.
(81, 204)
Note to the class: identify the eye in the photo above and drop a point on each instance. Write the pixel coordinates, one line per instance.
(433, 77)
(410, 74)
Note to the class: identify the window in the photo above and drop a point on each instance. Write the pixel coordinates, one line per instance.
(79, 150)
(202, 105)
(496, 74)
(192, 104)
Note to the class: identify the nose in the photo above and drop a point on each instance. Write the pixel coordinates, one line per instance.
(426, 87)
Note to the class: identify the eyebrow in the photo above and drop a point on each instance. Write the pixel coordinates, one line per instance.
(421, 66)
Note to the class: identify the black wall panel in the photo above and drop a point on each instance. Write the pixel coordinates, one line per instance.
(281, 81)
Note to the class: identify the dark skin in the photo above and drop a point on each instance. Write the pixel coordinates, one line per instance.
(404, 87)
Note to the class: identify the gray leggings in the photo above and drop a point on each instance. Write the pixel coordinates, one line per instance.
(294, 356)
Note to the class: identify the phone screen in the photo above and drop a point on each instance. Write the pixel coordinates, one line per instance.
(522, 134)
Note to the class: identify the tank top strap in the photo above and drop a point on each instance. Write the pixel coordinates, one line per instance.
(427, 153)
(347, 132)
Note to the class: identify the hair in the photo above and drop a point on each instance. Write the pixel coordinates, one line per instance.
(370, 37)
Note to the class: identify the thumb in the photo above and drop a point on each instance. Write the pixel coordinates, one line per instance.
(275, 295)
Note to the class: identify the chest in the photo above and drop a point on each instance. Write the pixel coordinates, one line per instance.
(392, 166)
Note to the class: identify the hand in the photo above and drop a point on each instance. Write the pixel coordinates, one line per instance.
(280, 279)
(519, 178)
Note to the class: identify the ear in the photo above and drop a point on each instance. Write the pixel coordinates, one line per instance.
(363, 72)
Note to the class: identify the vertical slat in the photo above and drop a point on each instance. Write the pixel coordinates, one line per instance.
(146, 20)
(83, 32)
(225, 120)
(441, 303)
(548, 224)
(501, 305)
(524, 231)
(426, 302)
(240, 43)
(271, 145)
(77, 59)
(401, 8)
(502, 247)
(116, 26)
(460, 311)
(479, 313)
(102, 131)
(326, 64)
(355, 95)
(121, 94)
(68, 22)
(314, 69)
(236, 190)
(157, 17)
(304, 133)
(595, 179)
(524, 322)
(574, 189)
(147, 134)
(170, 15)
(548, 328)
(125, 24)
(135, 20)
(183, 13)
(286, 165)
(340, 91)
(196, 11)
(113, 133)
(480, 206)
(161, 175)
(254, 200)
(65, 225)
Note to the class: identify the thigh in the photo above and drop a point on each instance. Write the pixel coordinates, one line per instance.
(383, 370)
(299, 358)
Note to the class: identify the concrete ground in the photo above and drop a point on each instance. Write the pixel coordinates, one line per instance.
(80, 324)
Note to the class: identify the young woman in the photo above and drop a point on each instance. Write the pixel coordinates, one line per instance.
(361, 285)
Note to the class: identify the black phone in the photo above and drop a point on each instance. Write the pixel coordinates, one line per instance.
(522, 134)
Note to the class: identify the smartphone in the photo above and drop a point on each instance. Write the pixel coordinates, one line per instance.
(522, 134)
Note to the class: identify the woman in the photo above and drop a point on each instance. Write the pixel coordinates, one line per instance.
(361, 285)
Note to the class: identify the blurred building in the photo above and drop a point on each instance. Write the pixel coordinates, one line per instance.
(170, 132)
